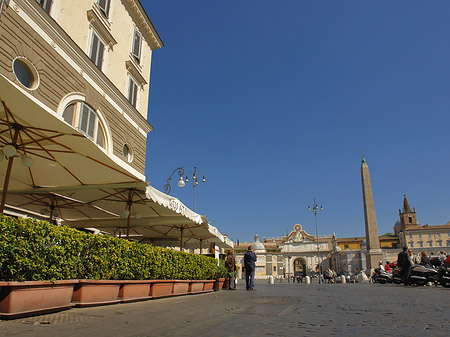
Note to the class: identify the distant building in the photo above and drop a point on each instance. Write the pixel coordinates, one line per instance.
(434, 239)
(296, 254)
(348, 253)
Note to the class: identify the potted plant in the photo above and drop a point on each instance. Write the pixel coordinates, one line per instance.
(220, 275)
(91, 269)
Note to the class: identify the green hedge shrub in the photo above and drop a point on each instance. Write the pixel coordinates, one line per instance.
(33, 250)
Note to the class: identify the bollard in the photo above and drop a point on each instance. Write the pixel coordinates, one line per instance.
(271, 279)
(307, 280)
(343, 279)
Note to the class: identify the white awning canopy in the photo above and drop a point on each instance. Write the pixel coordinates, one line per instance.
(69, 177)
(134, 209)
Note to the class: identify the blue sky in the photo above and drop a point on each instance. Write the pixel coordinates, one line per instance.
(274, 100)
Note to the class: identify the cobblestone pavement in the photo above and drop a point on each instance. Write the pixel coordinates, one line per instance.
(272, 310)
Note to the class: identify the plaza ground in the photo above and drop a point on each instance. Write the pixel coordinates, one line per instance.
(284, 309)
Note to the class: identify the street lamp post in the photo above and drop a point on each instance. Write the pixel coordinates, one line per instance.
(180, 172)
(195, 182)
(315, 208)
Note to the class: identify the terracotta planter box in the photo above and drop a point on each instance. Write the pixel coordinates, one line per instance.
(196, 286)
(209, 285)
(135, 290)
(181, 287)
(96, 292)
(19, 299)
(162, 288)
(219, 284)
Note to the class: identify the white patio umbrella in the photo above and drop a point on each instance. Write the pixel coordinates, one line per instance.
(134, 210)
(52, 152)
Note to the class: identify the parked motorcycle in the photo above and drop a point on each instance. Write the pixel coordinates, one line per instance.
(381, 276)
(444, 276)
(422, 275)
(396, 275)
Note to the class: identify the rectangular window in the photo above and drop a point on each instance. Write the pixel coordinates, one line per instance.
(429, 235)
(137, 41)
(46, 4)
(430, 243)
(132, 92)
(421, 244)
(440, 243)
(104, 6)
(97, 49)
(410, 236)
(439, 235)
(345, 246)
(411, 244)
(420, 236)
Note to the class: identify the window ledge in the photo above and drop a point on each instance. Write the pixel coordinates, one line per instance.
(133, 69)
(103, 26)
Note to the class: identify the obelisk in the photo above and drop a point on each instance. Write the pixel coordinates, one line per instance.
(374, 253)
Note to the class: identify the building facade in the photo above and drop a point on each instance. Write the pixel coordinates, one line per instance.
(86, 62)
(295, 254)
(434, 239)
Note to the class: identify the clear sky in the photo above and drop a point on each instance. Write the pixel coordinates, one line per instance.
(274, 100)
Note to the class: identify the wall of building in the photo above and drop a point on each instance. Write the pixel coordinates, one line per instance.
(30, 33)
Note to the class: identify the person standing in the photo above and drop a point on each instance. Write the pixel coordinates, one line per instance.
(249, 263)
(230, 264)
(413, 257)
(404, 263)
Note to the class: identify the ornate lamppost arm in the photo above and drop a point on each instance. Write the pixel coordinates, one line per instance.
(167, 188)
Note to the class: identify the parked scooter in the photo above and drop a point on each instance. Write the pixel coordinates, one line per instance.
(396, 275)
(444, 276)
(381, 276)
(422, 275)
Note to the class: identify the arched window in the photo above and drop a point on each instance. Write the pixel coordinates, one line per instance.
(83, 117)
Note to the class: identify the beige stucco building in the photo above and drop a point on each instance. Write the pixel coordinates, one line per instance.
(86, 62)
(295, 254)
(434, 239)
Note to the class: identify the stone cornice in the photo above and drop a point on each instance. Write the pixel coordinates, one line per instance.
(149, 32)
(99, 24)
(133, 70)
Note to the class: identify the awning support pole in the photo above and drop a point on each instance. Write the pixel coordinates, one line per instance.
(201, 244)
(129, 204)
(8, 172)
(181, 239)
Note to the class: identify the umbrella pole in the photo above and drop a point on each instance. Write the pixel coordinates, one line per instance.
(8, 172)
(129, 204)
(201, 244)
(51, 213)
(181, 239)
(128, 225)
